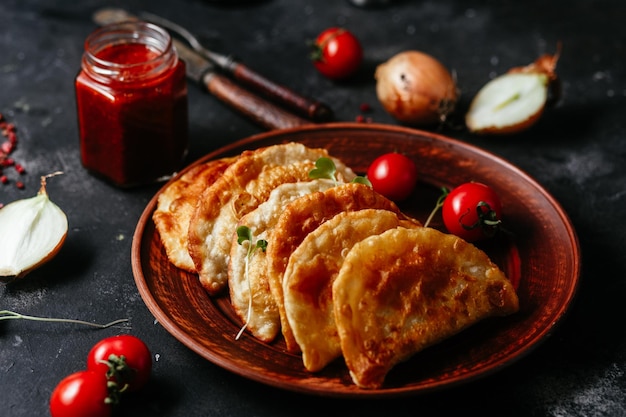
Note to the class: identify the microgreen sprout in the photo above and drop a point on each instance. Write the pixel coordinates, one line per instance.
(438, 205)
(244, 234)
(12, 315)
(325, 168)
(362, 180)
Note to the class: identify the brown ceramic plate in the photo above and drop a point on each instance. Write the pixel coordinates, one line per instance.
(542, 258)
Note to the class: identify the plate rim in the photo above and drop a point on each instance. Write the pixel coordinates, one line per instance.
(172, 327)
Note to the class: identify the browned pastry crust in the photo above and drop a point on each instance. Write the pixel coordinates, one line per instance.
(406, 289)
(236, 192)
(299, 219)
(310, 274)
(264, 320)
(177, 203)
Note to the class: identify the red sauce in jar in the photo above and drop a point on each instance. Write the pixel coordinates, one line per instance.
(131, 98)
(130, 53)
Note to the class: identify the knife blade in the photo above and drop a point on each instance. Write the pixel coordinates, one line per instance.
(254, 107)
(201, 71)
(313, 109)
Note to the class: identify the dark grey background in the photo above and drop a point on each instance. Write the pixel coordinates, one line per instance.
(577, 151)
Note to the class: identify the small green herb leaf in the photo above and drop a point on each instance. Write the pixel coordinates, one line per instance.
(324, 168)
(243, 233)
(261, 244)
(362, 180)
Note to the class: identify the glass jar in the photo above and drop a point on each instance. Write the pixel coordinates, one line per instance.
(131, 96)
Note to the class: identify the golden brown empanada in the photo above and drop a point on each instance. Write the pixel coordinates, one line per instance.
(238, 191)
(406, 289)
(177, 203)
(311, 272)
(264, 321)
(300, 218)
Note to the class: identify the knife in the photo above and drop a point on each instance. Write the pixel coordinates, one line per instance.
(201, 71)
(254, 107)
(306, 107)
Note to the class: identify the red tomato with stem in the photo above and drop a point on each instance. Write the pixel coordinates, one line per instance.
(393, 175)
(472, 211)
(81, 394)
(125, 359)
(337, 53)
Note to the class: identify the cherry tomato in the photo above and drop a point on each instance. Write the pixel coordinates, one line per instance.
(125, 359)
(393, 175)
(337, 53)
(472, 211)
(81, 394)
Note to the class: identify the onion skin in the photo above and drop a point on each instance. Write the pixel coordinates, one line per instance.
(416, 88)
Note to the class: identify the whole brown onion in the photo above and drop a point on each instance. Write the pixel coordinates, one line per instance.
(416, 88)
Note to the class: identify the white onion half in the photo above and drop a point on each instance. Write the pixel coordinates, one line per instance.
(32, 231)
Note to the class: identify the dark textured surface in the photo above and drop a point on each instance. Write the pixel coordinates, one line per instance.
(577, 151)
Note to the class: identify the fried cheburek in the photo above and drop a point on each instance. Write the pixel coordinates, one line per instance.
(242, 187)
(406, 289)
(264, 323)
(300, 218)
(176, 204)
(309, 277)
(345, 272)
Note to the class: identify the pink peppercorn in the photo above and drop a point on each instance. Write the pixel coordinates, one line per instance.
(7, 147)
(9, 131)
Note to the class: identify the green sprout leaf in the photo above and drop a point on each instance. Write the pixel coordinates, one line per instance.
(362, 180)
(244, 234)
(324, 168)
(261, 244)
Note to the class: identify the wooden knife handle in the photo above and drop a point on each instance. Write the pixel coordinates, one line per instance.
(312, 109)
(260, 111)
